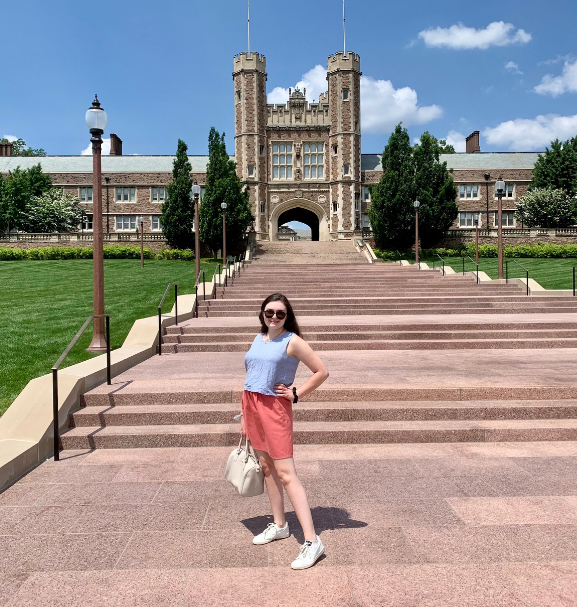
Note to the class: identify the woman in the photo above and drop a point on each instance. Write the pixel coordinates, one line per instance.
(267, 420)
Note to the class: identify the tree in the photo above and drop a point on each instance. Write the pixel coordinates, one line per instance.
(19, 148)
(53, 211)
(411, 174)
(546, 208)
(557, 168)
(178, 210)
(444, 148)
(223, 185)
(435, 190)
(16, 192)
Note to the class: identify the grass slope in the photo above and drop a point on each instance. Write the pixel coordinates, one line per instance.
(549, 273)
(44, 303)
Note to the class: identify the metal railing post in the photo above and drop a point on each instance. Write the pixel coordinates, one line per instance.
(55, 414)
(527, 282)
(463, 266)
(477, 273)
(573, 281)
(176, 303)
(159, 330)
(507, 272)
(203, 287)
(107, 325)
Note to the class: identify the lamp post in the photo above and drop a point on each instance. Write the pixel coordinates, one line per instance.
(196, 197)
(487, 177)
(417, 204)
(107, 179)
(477, 241)
(223, 206)
(96, 121)
(141, 221)
(500, 187)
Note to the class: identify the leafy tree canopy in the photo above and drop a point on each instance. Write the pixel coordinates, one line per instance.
(53, 211)
(223, 185)
(178, 209)
(446, 149)
(557, 167)
(16, 192)
(546, 208)
(19, 148)
(409, 174)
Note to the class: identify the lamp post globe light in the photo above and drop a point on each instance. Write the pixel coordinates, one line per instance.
(96, 120)
(417, 204)
(196, 198)
(223, 206)
(500, 187)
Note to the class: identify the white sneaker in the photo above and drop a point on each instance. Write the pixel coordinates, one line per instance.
(271, 533)
(309, 554)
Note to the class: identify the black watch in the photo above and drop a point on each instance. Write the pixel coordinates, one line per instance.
(296, 400)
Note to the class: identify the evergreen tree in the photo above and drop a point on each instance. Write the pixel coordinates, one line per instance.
(178, 209)
(435, 190)
(223, 185)
(391, 213)
(557, 167)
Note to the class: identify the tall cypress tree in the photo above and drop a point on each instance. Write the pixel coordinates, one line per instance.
(223, 185)
(391, 213)
(178, 210)
(557, 167)
(435, 190)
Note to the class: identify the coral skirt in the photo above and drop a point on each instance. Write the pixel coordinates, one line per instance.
(268, 422)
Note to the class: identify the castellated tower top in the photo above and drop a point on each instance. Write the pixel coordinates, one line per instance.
(340, 61)
(254, 61)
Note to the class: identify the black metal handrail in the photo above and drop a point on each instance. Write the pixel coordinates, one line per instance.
(522, 267)
(201, 273)
(170, 284)
(573, 281)
(55, 375)
(400, 258)
(477, 272)
(442, 261)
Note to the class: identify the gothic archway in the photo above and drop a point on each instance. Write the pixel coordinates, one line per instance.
(300, 209)
(304, 216)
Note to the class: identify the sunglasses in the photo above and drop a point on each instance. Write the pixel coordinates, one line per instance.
(279, 314)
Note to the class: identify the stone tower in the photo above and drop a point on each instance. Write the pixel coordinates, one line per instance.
(344, 78)
(249, 75)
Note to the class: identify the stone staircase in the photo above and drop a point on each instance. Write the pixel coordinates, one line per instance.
(308, 252)
(350, 314)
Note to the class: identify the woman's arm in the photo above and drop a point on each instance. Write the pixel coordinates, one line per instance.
(299, 348)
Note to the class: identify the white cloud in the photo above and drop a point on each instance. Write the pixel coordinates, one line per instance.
(105, 148)
(10, 137)
(314, 81)
(557, 85)
(459, 36)
(457, 140)
(513, 67)
(383, 106)
(524, 134)
(557, 59)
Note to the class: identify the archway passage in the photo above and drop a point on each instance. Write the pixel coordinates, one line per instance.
(304, 216)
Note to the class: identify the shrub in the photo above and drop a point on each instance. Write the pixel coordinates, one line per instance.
(8, 254)
(182, 254)
(110, 252)
(126, 252)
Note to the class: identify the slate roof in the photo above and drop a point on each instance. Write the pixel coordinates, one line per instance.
(163, 164)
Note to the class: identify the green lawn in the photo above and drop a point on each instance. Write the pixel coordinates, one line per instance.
(549, 273)
(44, 303)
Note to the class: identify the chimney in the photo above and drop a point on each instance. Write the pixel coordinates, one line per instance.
(6, 149)
(473, 146)
(115, 145)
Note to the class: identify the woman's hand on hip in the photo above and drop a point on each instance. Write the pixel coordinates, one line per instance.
(283, 392)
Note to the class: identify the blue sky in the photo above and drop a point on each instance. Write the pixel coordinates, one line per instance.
(162, 70)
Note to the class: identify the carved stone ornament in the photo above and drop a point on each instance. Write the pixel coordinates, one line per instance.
(322, 198)
(274, 198)
(299, 194)
(298, 174)
(297, 149)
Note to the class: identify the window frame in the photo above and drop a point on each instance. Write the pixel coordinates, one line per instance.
(84, 224)
(509, 213)
(346, 170)
(152, 219)
(86, 201)
(316, 165)
(509, 187)
(130, 193)
(158, 200)
(335, 207)
(346, 94)
(463, 191)
(123, 229)
(474, 215)
(288, 167)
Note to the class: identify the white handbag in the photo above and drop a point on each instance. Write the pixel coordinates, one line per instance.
(244, 472)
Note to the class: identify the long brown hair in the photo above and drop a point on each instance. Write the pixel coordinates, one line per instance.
(290, 324)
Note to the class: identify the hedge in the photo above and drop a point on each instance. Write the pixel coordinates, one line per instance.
(110, 252)
(539, 250)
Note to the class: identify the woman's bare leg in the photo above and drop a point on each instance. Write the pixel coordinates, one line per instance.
(285, 469)
(274, 487)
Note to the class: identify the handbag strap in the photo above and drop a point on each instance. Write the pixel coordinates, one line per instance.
(248, 454)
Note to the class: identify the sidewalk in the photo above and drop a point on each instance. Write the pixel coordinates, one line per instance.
(476, 525)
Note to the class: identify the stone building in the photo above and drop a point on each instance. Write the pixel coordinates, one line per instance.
(301, 161)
